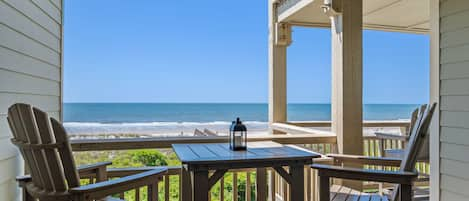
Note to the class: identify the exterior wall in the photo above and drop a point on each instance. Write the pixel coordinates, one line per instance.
(30, 71)
(454, 99)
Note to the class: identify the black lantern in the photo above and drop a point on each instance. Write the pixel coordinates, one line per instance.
(238, 135)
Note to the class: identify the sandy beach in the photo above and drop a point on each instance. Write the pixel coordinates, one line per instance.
(190, 133)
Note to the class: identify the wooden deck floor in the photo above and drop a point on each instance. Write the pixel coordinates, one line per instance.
(342, 193)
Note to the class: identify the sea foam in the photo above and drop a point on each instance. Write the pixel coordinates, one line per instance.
(156, 127)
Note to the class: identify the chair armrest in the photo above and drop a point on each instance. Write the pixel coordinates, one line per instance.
(395, 153)
(22, 180)
(324, 160)
(122, 172)
(366, 160)
(103, 189)
(389, 136)
(92, 167)
(397, 177)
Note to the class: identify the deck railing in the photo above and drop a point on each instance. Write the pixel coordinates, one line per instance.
(242, 180)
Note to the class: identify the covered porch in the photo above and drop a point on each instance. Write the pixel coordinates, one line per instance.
(345, 135)
(346, 19)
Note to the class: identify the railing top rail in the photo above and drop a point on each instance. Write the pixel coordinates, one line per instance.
(367, 123)
(323, 137)
(294, 129)
(166, 142)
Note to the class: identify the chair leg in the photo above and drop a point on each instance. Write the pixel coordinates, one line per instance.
(185, 185)
(324, 188)
(26, 196)
(406, 192)
(297, 185)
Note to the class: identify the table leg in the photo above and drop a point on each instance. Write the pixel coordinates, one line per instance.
(324, 188)
(297, 189)
(200, 186)
(261, 184)
(185, 191)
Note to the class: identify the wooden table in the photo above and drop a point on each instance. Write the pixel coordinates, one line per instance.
(199, 159)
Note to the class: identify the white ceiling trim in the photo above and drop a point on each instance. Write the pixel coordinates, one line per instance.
(382, 7)
(295, 14)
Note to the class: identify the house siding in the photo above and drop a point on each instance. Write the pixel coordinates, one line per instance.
(30, 72)
(454, 99)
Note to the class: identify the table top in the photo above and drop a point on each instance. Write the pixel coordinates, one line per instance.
(258, 154)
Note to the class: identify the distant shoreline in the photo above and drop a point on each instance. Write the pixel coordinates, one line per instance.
(176, 119)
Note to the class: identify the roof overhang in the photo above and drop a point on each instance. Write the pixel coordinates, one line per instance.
(409, 16)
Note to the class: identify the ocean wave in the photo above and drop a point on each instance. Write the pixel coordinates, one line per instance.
(156, 127)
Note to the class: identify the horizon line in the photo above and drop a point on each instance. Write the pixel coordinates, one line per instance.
(324, 103)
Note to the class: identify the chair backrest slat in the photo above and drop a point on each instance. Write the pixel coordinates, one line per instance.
(32, 133)
(418, 138)
(415, 114)
(413, 118)
(51, 155)
(27, 155)
(66, 154)
(19, 132)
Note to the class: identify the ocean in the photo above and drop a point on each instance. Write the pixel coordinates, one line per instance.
(183, 118)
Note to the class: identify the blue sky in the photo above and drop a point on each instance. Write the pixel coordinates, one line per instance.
(213, 51)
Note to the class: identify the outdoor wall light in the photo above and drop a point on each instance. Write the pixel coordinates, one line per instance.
(329, 9)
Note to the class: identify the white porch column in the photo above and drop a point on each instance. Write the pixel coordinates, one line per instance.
(435, 170)
(279, 39)
(347, 50)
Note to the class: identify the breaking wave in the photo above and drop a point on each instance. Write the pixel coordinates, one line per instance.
(156, 127)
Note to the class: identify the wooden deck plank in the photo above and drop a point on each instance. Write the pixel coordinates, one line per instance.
(365, 197)
(384, 198)
(376, 197)
(334, 190)
(343, 194)
(354, 195)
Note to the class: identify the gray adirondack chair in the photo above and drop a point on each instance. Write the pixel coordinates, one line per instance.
(46, 150)
(399, 153)
(403, 178)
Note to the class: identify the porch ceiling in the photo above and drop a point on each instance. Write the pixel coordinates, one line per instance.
(410, 16)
